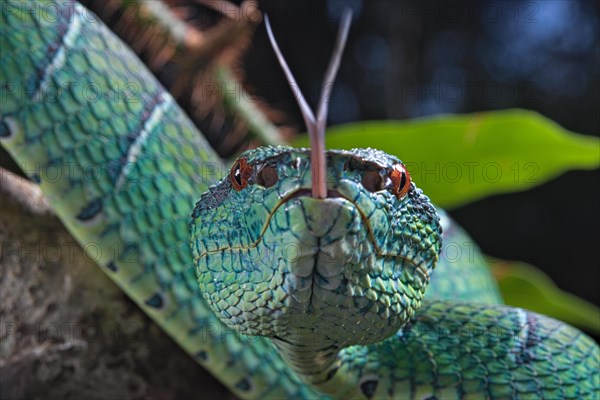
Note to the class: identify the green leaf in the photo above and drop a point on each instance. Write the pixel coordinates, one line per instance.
(523, 285)
(457, 159)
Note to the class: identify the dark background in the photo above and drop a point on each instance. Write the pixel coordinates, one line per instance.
(406, 59)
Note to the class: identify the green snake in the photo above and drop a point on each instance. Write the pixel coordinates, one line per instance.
(281, 294)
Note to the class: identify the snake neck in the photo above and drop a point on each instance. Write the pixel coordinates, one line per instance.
(329, 368)
(308, 360)
(317, 365)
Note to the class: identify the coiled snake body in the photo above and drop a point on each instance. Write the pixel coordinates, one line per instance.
(336, 283)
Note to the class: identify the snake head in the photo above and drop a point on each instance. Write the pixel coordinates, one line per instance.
(316, 249)
(350, 268)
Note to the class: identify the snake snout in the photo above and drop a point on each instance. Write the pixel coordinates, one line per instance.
(328, 219)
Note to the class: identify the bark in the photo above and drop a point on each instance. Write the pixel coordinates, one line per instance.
(66, 330)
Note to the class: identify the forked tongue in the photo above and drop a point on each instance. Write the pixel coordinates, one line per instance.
(316, 126)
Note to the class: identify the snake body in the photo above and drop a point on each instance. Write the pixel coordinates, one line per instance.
(345, 305)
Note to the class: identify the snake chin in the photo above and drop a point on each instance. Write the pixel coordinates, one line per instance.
(336, 269)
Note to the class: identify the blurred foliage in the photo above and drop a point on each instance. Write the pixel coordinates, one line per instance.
(461, 158)
(523, 285)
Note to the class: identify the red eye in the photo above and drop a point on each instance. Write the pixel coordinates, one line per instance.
(400, 180)
(240, 173)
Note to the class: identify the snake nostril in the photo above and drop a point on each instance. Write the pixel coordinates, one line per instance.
(372, 181)
(267, 176)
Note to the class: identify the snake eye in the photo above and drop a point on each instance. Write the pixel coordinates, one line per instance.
(240, 173)
(267, 176)
(400, 180)
(372, 181)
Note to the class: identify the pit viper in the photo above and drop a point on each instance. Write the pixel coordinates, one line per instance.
(280, 294)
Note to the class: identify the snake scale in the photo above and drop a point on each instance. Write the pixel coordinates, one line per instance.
(281, 294)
